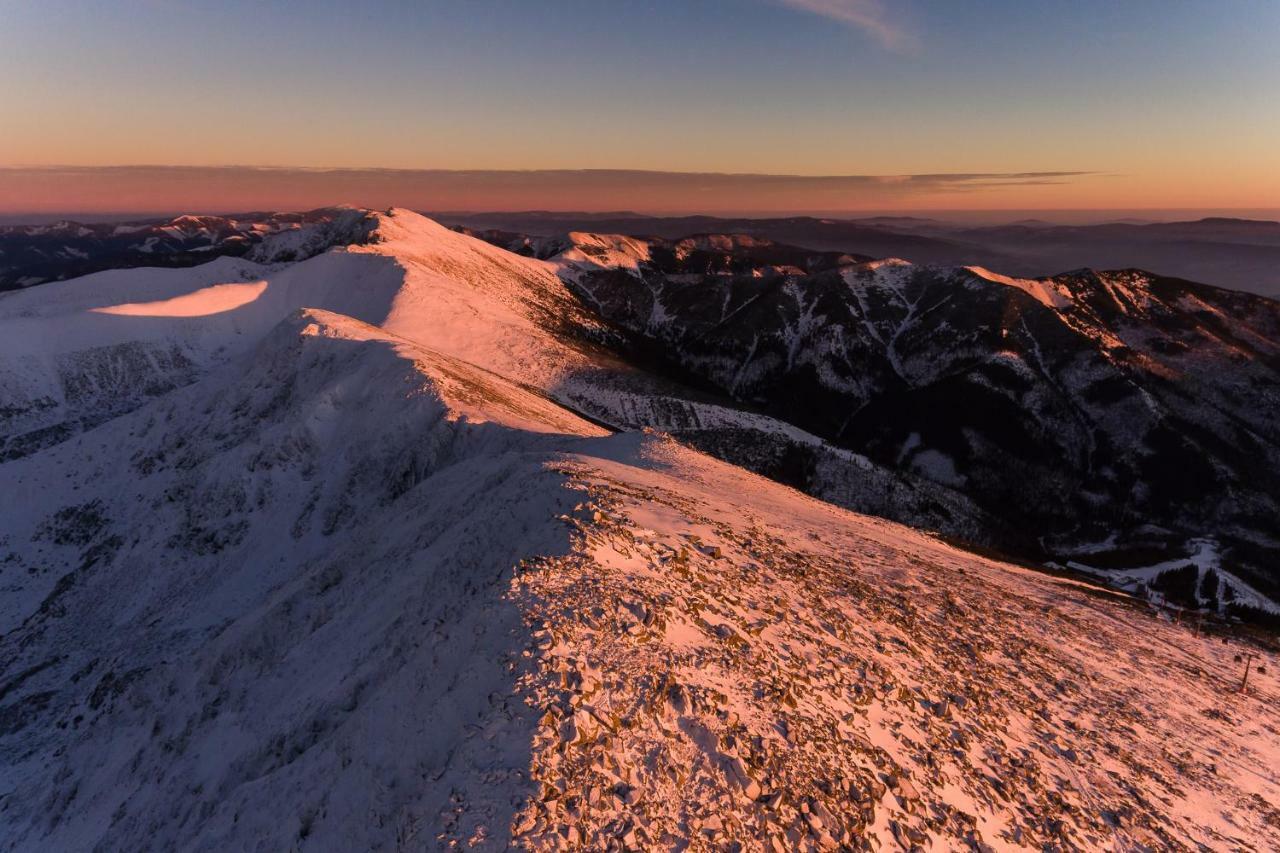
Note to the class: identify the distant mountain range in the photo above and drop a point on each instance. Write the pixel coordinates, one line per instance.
(1107, 419)
(1234, 253)
(35, 254)
(1104, 420)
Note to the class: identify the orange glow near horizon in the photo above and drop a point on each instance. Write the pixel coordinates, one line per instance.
(151, 189)
(720, 106)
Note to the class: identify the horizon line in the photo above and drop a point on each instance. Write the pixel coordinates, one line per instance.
(605, 170)
(145, 189)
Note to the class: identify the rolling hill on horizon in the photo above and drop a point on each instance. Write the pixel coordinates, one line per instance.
(1239, 254)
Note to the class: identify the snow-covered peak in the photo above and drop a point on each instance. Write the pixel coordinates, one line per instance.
(882, 263)
(1045, 291)
(420, 240)
(467, 392)
(606, 251)
(890, 274)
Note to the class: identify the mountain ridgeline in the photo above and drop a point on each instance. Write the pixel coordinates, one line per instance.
(35, 254)
(416, 542)
(1241, 254)
(1106, 419)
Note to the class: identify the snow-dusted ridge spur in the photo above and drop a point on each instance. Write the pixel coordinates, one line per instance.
(1115, 407)
(352, 554)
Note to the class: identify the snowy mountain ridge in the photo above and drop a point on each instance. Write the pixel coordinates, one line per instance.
(411, 277)
(350, 553)
(1147, 396)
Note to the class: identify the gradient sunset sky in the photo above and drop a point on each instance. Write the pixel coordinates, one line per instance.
(915, 104)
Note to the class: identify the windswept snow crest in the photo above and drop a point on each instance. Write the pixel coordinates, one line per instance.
(1045, 291)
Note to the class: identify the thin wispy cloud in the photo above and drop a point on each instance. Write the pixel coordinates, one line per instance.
(870, 16)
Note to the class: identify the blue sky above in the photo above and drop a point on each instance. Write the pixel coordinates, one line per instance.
(1150, 92)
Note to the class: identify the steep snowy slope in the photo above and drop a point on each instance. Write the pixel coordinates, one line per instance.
(126, 336)
(351, 592)
(1090, 408)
